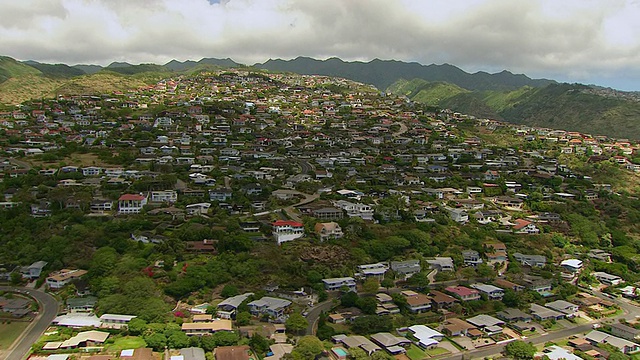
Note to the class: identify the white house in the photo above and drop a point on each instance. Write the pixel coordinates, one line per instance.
(287, 230)
(131, 203)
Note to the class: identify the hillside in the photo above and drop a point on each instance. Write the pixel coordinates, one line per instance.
(56, 70)
(563, 106)
(10, 68)
(383, 73)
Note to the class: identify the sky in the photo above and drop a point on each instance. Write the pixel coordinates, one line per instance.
(586, 41)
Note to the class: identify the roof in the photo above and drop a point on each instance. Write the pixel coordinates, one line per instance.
(93, 336)
(483, 320)
(232, 353)
(77, 320)
(117, 317)
(423, 332)
(216, 325)
(131, 197)
(520, 223)
(192, 353)
(234, 301)
(574, 263)
(461, 290)
(287, 223)
(270, 302)
(440, 297)
(387, 339)
(486, 288)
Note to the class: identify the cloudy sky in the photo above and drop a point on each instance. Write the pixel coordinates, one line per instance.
(584, 41)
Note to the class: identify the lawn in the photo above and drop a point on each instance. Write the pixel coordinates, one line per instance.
(436, 351)
(127, 342)
(415, 353)
(9, 332)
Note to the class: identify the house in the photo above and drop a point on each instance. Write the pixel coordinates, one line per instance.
(273, 307)
(572, 265)
(204, 328)
(82, 304)
(59, 279)
(220, 195)
(131, 203)
(34, 270)
(463, 293)
(459, 327)
(531, 260)
(496, 252)
(471, 258)
(427, 337)
(82, 339)
(192, 353)
(487, 323)
(115, 321)
(363, 211)
(227, 308)
(440, 300)
(232, 352)
(357, 341)
(101, 206)
(506, 284)
(417, 302)
(606, 278)
(625, 331)
(375, 271)
(458, 215)
(406, 269)
(542, 313)
(508, 203)
(541, 286)
(166, 196)
(564, 307)
(514, 315)
(287, 230)
(393, 344)
(335, 284)
(492, 292)
(556, 352)
(600, 255)
(328, 213)
(524, 227)
(330, 230)
(596, 337)
(386, 306)
(441, 264)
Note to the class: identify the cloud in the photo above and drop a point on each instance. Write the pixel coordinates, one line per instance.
(572, 39)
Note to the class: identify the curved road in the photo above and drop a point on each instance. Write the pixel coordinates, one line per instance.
(314, 314)
(48, 310)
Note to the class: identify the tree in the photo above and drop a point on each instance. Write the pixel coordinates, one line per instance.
(137, 326)
(368, 305)
(520, 350)
(157, 341)
(357, 354)
(259, 343)
(618, 356)
(207, 342)
(296, 323)
(349, 299)
(229, 290)
(243, 318)
(178, 340)
(225, 338)
(308, 347)
(370, 324)
(371, 285)
(387, 283)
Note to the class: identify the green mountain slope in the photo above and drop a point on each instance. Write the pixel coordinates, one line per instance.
(561, 106)
(10, 68)
(56, 70)
(383, 73)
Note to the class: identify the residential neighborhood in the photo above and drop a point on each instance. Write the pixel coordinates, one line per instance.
(239, 215)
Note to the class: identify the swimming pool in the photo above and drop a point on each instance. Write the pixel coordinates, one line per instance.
(340, 352)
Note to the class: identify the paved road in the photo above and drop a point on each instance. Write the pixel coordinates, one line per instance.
(314, 314)
(48, 310)
(403, 129)
(306, 167)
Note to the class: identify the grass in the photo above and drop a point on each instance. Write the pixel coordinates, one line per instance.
(436, 351)
(126, 342)
(10, 332)
(580, 321)
(415, 353)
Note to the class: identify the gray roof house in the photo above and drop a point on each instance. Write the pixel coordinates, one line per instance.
(33, 271)
(531, 260)
(441, 263)
(407, 268)
(271, 306)
(625, 346)
(564, 307)
(625, 332)
(487, 323)
(544, 313)
(390, 342)
(192, 353)
(471, 257)
(227, 308)
(514, 315)
(492, 292)
(335, 284)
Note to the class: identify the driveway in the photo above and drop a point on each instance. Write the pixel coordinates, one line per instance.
(314, 313)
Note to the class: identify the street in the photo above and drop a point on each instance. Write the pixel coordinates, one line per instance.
(48, 310)
(314, 314)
